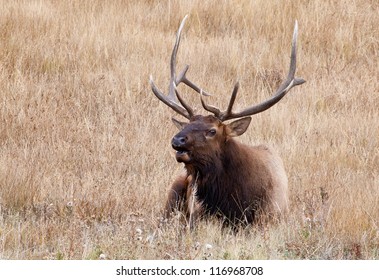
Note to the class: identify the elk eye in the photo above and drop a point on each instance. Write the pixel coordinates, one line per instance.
(211, 132)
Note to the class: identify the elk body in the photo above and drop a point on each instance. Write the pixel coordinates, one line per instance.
(224, 178)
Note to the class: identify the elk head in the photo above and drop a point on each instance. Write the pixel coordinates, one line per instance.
(202, 138)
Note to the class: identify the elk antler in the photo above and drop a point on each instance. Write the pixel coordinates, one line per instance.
(289, 83)
(173, 96)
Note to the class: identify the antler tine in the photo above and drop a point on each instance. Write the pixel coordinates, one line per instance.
(183, 79)
(173, 81)
(168, 101)
(290, 82)
(297, 81)
(222, 115)
(185, 105)
(231, 102)
(209, 108)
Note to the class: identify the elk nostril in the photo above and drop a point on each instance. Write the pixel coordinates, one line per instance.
(179, 141)
(182, 140)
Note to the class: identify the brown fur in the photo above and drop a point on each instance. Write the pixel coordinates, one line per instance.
(234, 181)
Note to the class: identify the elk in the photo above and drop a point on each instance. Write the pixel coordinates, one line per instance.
(224, 178)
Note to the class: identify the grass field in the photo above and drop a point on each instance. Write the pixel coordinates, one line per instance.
(85, 155)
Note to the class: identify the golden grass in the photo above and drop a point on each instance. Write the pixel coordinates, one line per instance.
(85, 156)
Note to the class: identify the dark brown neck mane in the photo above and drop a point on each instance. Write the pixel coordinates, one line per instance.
(221, 180)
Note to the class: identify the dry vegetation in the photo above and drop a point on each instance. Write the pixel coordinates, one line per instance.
(85, 156)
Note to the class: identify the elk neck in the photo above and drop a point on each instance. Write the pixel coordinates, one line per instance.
(213, 171)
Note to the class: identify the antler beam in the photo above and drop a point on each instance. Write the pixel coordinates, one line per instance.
(284, 88)
(173, 97)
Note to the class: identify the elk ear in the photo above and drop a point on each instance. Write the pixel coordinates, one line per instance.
(180, 125)
(238, 127)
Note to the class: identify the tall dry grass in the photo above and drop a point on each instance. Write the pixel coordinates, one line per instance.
(85, 159)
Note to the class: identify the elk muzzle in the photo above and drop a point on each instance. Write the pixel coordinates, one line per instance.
(180, 144)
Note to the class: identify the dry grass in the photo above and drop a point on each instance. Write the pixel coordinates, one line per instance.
(85, 160)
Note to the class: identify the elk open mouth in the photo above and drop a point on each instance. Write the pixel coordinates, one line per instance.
(182, 154)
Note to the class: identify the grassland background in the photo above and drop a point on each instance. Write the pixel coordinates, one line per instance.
(85, 156)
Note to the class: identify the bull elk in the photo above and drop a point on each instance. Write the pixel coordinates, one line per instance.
(224, 178)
